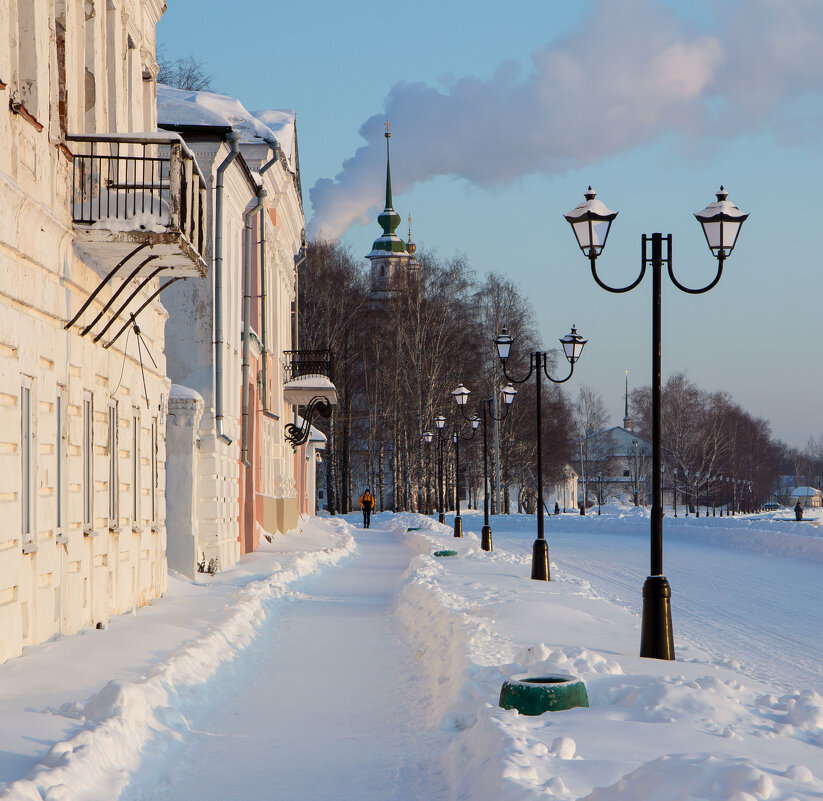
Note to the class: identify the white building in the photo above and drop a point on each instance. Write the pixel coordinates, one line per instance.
(808, 497)
(98, 213)
(227, 337)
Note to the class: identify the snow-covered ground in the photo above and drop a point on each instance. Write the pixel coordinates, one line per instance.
(342, 663)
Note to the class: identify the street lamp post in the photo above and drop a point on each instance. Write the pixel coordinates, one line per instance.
(427, 438)
(461, 396)
(599, 491)
(572, 347)
(674, 485)
(456, 437)
(440, 423)
(721, 222)
(636, 475)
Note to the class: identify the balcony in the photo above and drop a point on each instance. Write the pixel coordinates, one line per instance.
(299, 363)
(139, 192)
(308, 377)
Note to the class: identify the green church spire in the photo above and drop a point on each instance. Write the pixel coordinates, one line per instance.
(389, 219)
(388, 166)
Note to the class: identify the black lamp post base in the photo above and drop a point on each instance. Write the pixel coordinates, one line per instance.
(656, 638)
(458, 526)
(441, 518)
(486, 538)
(540, 561)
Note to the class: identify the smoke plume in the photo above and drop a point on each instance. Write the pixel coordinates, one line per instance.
(632, 72)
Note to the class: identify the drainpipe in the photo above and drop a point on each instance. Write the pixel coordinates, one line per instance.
(244, 439)
(218, 288)
(264, 295)
(298, 261)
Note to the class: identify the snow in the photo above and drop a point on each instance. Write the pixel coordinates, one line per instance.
(183, 107)
(142, 221)
(314, 381)
(282, 125)
(184, 393)
(799, 492)
(337, 662)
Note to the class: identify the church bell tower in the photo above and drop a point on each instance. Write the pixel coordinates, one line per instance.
(393, 266)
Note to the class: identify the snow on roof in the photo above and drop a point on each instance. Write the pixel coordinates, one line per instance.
(282, 125)
(799, 492)
(209, 109)
(180, 391)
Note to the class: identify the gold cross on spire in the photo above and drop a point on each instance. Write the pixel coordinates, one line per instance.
(388, 130)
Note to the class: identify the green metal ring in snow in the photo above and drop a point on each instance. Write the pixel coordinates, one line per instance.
(534, 695)
(416, 528)
(445, 553)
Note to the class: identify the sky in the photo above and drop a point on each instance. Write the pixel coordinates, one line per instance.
(501, 119)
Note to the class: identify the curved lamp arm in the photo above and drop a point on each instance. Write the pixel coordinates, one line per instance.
(503, 416)
(616, 290)
(519, 380)
(706, 288)
(460, 435)
(557, 380)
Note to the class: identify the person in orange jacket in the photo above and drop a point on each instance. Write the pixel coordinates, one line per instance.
(367, 504)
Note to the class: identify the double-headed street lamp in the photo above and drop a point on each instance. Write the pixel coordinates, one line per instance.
(461, 396)
(721, 222)
(457, 435)
(572, 347)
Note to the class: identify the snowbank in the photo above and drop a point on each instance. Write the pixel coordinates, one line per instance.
(109, 729)
(655, 730)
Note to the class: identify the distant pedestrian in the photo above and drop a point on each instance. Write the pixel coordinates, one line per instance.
(556, 508)
(798, 511)
(367, 504)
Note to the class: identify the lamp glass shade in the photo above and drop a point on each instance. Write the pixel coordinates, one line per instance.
(440, 421)
(573, 345)
(427, 437)
(591, 222)
(721, 222)
(509, 394)
(461, 394)
(504, 344)
(475, 421)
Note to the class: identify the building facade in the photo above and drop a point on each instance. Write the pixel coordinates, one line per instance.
(228, 337)
(98, 214)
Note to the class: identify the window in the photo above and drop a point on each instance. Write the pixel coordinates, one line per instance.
(58, 453)
(135, 469)
(26, 450)
(114, 478)
(28, 90)
(154, 473)
(88, 470)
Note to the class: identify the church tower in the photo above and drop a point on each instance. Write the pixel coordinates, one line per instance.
(393, 266)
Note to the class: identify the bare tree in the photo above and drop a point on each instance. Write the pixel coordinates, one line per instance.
(588, 418)
(183, 72)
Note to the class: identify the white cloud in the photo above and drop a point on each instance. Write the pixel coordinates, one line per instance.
(631, 73)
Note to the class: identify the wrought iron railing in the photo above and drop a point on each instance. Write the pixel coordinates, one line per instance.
(307, 362)
(138, 182)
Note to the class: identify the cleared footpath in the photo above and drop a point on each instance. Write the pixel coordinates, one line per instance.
(325, 705)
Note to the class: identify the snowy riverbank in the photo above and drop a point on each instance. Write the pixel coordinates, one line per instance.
(77, 713)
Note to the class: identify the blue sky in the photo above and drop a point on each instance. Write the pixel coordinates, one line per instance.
(501, 118)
